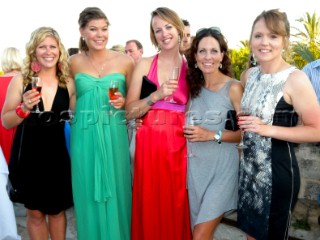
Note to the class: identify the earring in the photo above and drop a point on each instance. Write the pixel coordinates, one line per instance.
(253, 60)
(195, 65)
(35, 66)
(59, 66)
(82, 38)
(220, 66)
(179, 39)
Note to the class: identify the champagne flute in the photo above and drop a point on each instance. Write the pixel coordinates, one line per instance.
(243, 113)
(113, 88)
(37, 85)
(191, 121)
(174, 75)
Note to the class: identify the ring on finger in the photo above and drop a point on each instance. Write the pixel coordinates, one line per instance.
(251, 123)
(29, 101)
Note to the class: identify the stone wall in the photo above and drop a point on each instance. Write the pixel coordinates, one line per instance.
(308, 156)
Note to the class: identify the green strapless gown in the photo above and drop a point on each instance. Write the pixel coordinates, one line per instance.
(100, 160)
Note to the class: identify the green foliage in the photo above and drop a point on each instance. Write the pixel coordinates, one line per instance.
(239, 59)
(301, 224)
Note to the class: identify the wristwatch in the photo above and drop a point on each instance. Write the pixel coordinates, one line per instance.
(217, 137)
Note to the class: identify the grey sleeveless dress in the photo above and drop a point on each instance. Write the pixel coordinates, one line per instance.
(213, 171)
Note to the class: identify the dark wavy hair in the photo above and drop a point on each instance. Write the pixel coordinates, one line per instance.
(195, 78)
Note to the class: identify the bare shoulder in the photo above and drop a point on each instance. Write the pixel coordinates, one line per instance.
(244, 76)
(76, 61)
(143, 65)
(236, 87)
(297, 79)
(17, 81)
(297, 86)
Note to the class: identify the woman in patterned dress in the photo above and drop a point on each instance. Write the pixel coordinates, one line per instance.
(276, 94)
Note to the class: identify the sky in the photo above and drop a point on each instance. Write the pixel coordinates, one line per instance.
(130, 18)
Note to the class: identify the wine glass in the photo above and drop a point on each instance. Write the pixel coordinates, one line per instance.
(36, 83)
(174, 75)
(243, 113)
(113, 88)
(191, 121)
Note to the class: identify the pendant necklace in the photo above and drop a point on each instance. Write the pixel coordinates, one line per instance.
(95, 68)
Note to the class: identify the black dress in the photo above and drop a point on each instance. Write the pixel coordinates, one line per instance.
(269, 179)
(40, 162)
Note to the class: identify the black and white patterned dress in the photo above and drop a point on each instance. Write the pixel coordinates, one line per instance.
(269, 174)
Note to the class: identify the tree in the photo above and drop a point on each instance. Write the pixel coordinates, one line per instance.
(239, 58)
(307, 47)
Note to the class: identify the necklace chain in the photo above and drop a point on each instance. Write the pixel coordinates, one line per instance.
(95, 68)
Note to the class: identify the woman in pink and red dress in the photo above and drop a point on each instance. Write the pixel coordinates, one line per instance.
(160, 207)
(11, 63)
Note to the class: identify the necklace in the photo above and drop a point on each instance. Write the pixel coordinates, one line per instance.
(98, 70)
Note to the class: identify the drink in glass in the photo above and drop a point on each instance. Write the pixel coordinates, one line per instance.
(113, 88)
(174, 75)
(37, 85)
(243, 113)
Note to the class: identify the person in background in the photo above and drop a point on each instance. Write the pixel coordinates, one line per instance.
(160, 208)
(11, 63)
(312, 70)
(186, 40)
(8, 225)
(213, 162)
(39, 154)
(99, 141)
(72, 51)
(276, 94)
(134, 49)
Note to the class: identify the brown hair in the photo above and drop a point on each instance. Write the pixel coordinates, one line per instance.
(194, 77)
(88, 14)
(277, 22)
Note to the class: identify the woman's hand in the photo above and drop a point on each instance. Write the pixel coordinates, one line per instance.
(253, 124)
(30, 99)
(167, 89)
(197, 134)
(119, 102)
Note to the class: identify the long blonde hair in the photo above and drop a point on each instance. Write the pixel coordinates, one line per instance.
(62, 68)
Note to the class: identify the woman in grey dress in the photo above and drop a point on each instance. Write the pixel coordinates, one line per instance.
(213, 165)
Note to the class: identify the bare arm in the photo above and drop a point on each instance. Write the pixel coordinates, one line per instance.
(298, 91)
(198, 133)
(14, 96)
(72, 94)
(135, 107)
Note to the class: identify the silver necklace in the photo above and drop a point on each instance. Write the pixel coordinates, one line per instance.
(95, 68)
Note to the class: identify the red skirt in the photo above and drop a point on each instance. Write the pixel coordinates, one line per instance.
(160, 207)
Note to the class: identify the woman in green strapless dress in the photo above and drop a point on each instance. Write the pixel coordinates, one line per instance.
(101, 178)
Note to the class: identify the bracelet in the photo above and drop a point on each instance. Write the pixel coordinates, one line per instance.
(149, 101)
(20, 112)
(217, 136)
